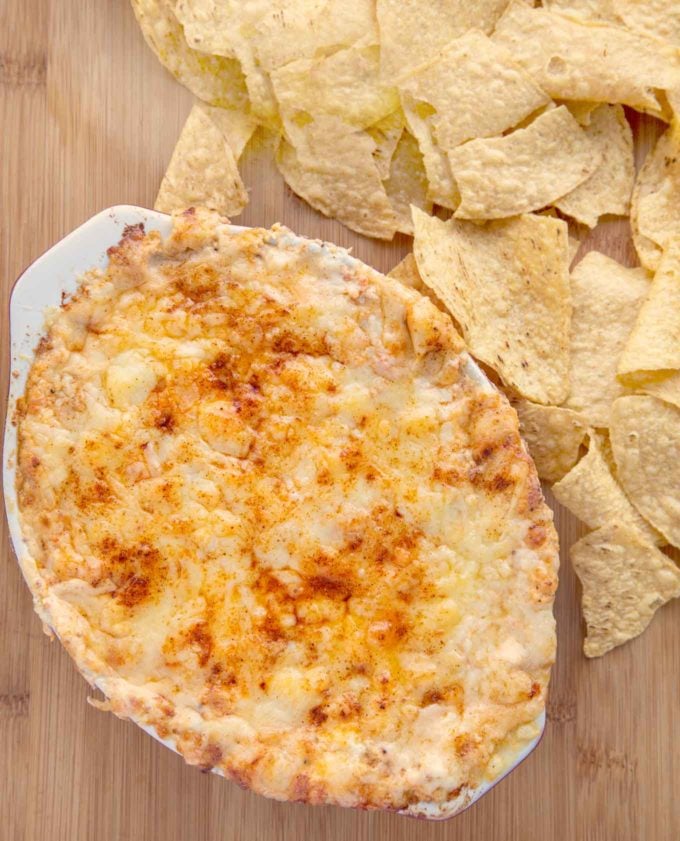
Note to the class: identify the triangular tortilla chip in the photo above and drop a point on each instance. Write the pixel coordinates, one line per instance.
(655, 209)
(202, 170)
(654, 343)
(645, 436)
(212, 78)
(334, 170)
(592, 493)
(606, 297)
(507, 285)
(456, 85)
(625, 581)
(573, 60)
(609, 188)
(553, 435)
(525, 170)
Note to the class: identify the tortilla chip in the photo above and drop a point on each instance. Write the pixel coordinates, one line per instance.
(237, 126)
(581, 111)
(407, 273)
(645, 436)
(407, 184)
(202, 170)
(334, 170)
(662, 384)
(345, 85)
(606, 298)
(412, 31)
(442, 188)
(609, 188)
(625, 581)
(386, 134)
(655, 209)
(553, 435)
(211, 26)
(588, 10)
(656, 18)
(591, 492)
(573, 60)
(306, 28)
(524, 170)
(260, 90)
(507, 285)
(213, 79)
(654, 344)
(456, 85)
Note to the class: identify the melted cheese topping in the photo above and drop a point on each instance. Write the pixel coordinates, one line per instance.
(276, 515)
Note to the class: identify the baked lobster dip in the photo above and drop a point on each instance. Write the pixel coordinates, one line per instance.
(278, 516)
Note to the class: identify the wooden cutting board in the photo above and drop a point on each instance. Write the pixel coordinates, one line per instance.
(88, 119)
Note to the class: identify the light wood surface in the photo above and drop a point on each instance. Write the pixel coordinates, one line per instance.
(88, 119)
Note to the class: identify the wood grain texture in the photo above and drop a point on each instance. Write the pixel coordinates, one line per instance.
(88, 119)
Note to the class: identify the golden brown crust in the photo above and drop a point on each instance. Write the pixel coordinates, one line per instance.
(276, 516)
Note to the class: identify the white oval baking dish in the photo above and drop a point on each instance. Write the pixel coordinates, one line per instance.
(41, 287)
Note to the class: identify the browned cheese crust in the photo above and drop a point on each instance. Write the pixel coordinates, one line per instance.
(276, 514)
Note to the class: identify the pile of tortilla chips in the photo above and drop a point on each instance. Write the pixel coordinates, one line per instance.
(492, 131)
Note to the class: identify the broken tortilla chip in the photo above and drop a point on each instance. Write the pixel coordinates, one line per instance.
(581, 111)
(625, 581)
(214, 79)
(591, 492)
(412, 31)
(386, 133)
(224, 28)
(654, 343)
(655, 209)
(292, 30)
(645, 436)
(554, 436)
(525, 170)
(507, 285)
(346, 85)
(406, 272)
(475, 89)
(442, 188)
(571, 59)
(407, 184)
(606, 299)
(609, 188)
(202, 170)
(334, 170)
(237, 126)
